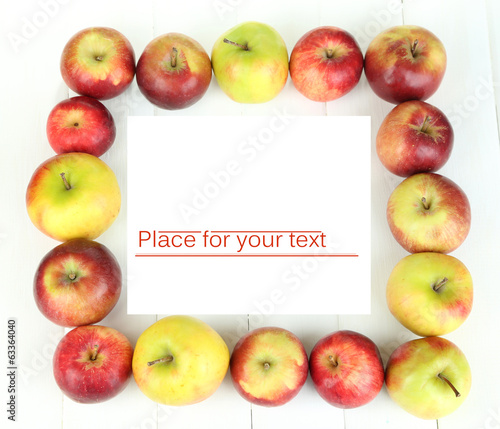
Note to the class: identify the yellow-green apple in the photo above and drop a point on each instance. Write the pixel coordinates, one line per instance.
(81, 124)
(346, 369)
(326, 63)
(428, 377)
(430, 293)
(73, 195)
(269, 366)
(179, 360)
(428, 212)
(98, 62)
(92, 363)
(250, 62)
(415, 137)
(405, 62)
(77, 283)
(174, 71)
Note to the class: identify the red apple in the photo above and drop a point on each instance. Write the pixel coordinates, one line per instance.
(415, 137)
(269, 366)
(405, 62)
(77, 283)
(346, 369)
(81, 124)
(92, 363)
(98, 62)
(174, 71)
(326, 63)
(428, 212)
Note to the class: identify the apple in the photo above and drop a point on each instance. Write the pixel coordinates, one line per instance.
(179, 360)
(326, 63)
(92, 363)
(428, 212)
(428, 377)
(415, 137)
(269, 366)
(98, 62)
(81, 124)
(77, 283)
(174, 71)
(405, 62)
(346, 369)
(430, 293)
(73, 195)
(250, 62)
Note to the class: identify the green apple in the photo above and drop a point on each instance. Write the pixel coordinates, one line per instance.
(73, 195)
(250, 62)
(430, 293)
(428, 377)
(179, 360)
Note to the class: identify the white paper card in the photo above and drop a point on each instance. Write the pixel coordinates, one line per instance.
(248, 215)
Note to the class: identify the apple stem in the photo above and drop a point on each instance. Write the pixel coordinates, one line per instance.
(329, 53)
(98, 58)
(173, 57)
(448, 382)
(414, 47)
(94, 353)
(439, 285)
(244, 47)
(66, 184)
(267, 365)
(333, 361)
(168, 358)
(424, 202)
(426, 123)
(72, 276)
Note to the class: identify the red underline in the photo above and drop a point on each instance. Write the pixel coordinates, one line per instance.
(265, 232)
(241, 255)
(177, 232)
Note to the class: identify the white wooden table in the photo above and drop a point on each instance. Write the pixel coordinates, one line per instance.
(33, 35)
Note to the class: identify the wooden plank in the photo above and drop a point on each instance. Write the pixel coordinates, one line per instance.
(131, 407)
(224, 407)
(32, 86)
(297, 412)
(29, 91)
(464, 97)
(492, 15)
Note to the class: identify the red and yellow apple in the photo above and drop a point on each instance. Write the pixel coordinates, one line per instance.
(428, 212)
(98, 62)
(81, 124)
(428, 377)
(174, 71)
(77, 283)
(92, 363)
(269, 366)
(346, 369)
(430, 293)
(250, 62)
(415, 137)
(180, 360)
(326, 63)
(73, 195)
(405, 62)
